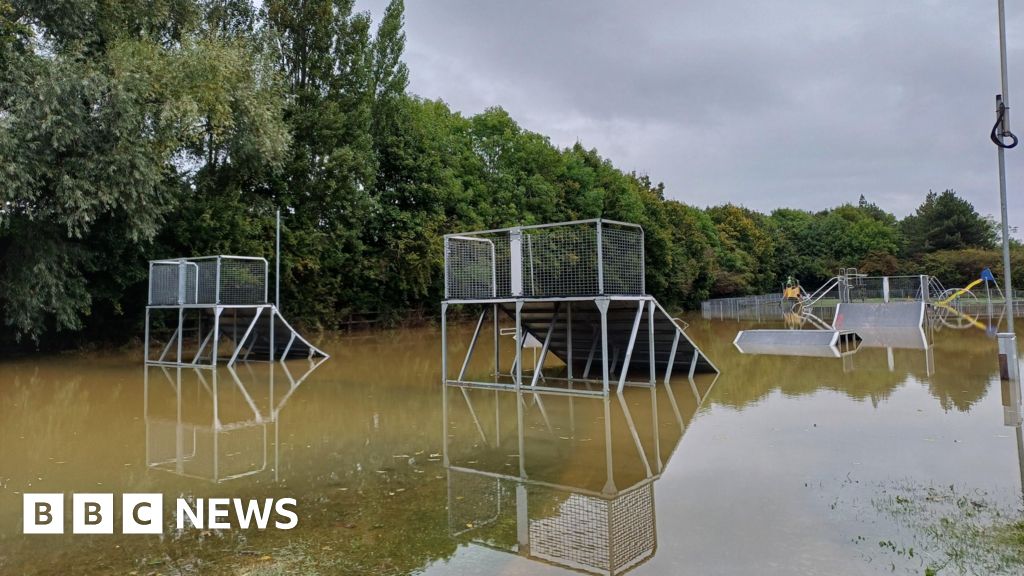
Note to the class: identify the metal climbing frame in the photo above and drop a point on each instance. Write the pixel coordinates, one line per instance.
(213, 298)
(576, 287)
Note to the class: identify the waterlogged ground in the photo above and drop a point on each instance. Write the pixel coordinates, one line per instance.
(888, 461)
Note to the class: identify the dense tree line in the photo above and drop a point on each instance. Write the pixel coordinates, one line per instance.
(138, 130)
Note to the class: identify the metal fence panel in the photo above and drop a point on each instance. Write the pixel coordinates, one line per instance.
(584, 258)
(231, 280)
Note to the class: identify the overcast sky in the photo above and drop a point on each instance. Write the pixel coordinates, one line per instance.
(803, 104)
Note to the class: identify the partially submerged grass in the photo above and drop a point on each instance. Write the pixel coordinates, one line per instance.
(956, 531)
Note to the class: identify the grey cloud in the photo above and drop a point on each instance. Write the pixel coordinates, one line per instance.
(802, 104)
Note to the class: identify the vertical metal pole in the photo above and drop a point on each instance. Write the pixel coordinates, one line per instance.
(444, 424)
(444, 344)
(273, 321)
(600, 260)
(609, 470)
(145, 341)
(179, 429)
(643, 264)
(568, 339)
(277, 263)
(650, 344)
(216, 334)
(602, 306)
(216, 290)
(182, 274)
(519, 349)
(1008, 369)
(181, 329)
(216, 429)
(497, 346)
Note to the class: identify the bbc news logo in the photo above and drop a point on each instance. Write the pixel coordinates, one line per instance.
(144, 513)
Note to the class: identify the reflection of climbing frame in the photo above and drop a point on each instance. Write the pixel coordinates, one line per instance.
(220, 427)
(550, 516)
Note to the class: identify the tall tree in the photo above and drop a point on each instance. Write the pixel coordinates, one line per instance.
(100, 128)
(946, 222)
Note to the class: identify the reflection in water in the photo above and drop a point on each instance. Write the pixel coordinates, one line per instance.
(563, 480)
(1011, 396)
(779, 440)
(216, 424)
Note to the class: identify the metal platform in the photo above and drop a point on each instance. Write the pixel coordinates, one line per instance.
(811, 343)
(576, 287)
(217, 305)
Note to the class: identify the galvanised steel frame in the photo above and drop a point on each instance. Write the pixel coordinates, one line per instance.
(176, 456)
(216, 285)
(475, 270)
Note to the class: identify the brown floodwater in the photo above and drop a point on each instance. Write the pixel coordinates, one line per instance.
(886, 461)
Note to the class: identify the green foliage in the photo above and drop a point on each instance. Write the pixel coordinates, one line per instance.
(131, 131)
(947, 222)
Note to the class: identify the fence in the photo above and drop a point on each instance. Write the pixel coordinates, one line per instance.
(821, 303)
(582, 258)
(212, 280)
(886, 289)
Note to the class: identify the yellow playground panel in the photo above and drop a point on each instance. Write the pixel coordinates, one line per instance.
(791, 293)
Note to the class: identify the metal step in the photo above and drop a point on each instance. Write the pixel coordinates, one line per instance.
(586, 340)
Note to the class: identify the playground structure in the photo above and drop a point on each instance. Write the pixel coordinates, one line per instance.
(579, 491)
(215, 298)
(864, 305)
(217, 425)
(578, 288)
(960, 308)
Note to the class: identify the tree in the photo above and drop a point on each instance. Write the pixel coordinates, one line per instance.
(946, 222)
(99, 130)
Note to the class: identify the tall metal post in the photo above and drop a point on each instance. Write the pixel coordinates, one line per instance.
(1008, 368)
(600, 260)
(497, 345)
(602, 306)
(277, 264)
(520, 335)
(568, 340)
(444, 343)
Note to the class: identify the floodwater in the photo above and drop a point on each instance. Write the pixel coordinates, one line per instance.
(885, 461)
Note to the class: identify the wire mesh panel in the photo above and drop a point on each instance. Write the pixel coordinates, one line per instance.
(576, 535)
(632, 527)
(478, 507)
(470, 267)
(242, 280)
(165, 286)
(560, 261)
(596, 534)
(550, 260)
(622, 249)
